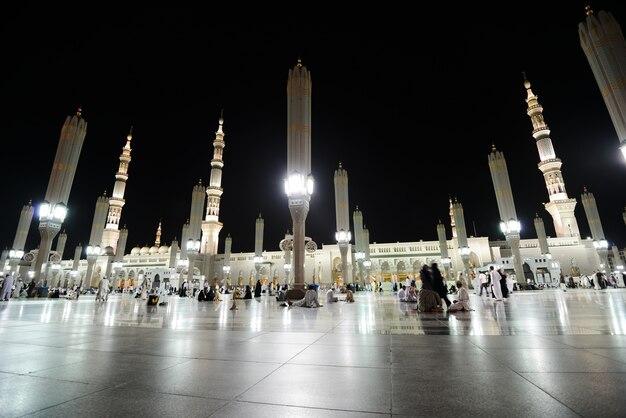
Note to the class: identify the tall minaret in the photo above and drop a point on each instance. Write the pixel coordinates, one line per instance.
(603, 43)
(452, 223)
(116, 201)
(54, 208)
(343, 234)
(299, 181)
(157, 240)
(561, 207)
(211, 226)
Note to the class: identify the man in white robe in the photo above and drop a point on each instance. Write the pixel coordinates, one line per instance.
(495, 283)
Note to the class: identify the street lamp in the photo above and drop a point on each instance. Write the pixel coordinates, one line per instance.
(93, 251)
(14, 257)
(193, 248)
(226, 270)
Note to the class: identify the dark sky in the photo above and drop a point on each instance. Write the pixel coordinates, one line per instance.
(409, 103)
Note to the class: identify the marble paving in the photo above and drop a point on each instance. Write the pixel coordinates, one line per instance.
(538, 354)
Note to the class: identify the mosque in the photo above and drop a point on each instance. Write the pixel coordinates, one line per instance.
(196, 259)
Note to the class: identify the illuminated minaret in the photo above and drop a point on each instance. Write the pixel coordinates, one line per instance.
(299, 181)
(561, 207)
(603, 43)
(116, 201)
(54, 208)
(211, 226)
(157, 240)
(452, 223)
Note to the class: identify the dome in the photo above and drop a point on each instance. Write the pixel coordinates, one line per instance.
(154, 250)
(135, 251)
(164, 249)
(144, 250)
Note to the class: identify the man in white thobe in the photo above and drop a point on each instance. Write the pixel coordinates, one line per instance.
(495, 283)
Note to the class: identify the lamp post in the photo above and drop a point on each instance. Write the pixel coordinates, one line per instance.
(55, 267)
(465, 256)
(287, 268)
(93, 252)
(343, 239)
(511, 230)
(360, 257)
(193, 248)
(367, 264)
(602, 248)
(226, 270)
(14, 258)
(51, 216)
(258, 261)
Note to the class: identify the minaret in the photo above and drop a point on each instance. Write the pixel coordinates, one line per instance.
(597, 232)
(509, 224)
(299, 181)
(23, 225)
(452, 223)
(211, 226)
(541, 236)
(561, 207)
(116, 201)
(343, 235)
(157, 240)
(54, 208)
(602, 41)
(183, 240)
(624, 215)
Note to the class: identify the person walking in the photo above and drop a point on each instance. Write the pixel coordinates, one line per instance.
(495, 283)
(7, 287)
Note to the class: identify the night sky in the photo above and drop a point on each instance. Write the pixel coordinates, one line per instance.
(408, 103)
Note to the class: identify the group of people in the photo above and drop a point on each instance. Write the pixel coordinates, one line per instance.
(495, 283)
(434, 292)
(11, 288)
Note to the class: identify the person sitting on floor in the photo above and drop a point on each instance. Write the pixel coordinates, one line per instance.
(411, 293)
(309, 300)
(248, 294)
(349, 296)
(330, 296)
(462, 304)
(429, 301)
(402, 293)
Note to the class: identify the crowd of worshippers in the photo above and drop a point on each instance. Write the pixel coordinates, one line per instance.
(434, 292)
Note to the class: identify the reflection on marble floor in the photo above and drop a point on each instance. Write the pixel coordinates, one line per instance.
(82, 357)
